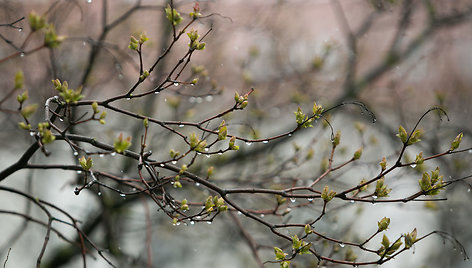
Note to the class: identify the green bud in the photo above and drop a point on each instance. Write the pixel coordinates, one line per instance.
(177, 184)
(183, 168)
(419, 159)
(173, 15)
(410, 239)
(383, 224)
(194, 81)
(143, 38)
(279, 254)
(308, 229)
(103, 115)
(357, 154)
(210, 171)
(95, 107)
(296, 242)
(51, 39)
(383, 163)
(28, 110)
(456, 142)
(36, 21)
(425, 182)
(231, 144)
(22, 97)
(101, 121)
(19, 79)
(146, 122)
(24, 126)
(337, 139)
(183, 205)
(381, 189)
(222, 131)
(415, 137)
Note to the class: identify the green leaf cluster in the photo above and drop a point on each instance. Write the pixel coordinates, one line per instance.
(381, 189)
(327, 194)
(196, 144)
(388, 249)
(69, 95)
(173, 15)
(120, 144)
(431, 184)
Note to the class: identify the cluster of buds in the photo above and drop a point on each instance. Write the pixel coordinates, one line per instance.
(69, 95)
(241, 101)
(194, 43)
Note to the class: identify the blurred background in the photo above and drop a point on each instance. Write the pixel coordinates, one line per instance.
(399, 58)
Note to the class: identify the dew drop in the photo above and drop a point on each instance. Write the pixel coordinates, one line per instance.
(89, 1)
(191, 99)
(309, 199)
(76, 153)
(199, 217)
(22, 54)
(206, 149)
(20, 30)
(113, 154)
(156, 92)
(197, 184)
(174, 162)
(101, 155)
(99, 193)
(262, 215)
(79, 171)
(208, 156)
(240, 213)
(352, 201)
(413, 165)
(122, 195)
(293, 200)
(181, 125)
(199, 100)
(178, 223)
(265, 142)
(290, 135)
(60, 119)
(341, 245)
(31, 133)
(176, 84)
(84, 43)
(128, 98)
(162, 165)
(470, 151)
(120, 76)
(192, 222)
(248, 143)
(209, 222)
(209, 98)
(199, 153)
(220, 153)
(468, 190)
(375, 197)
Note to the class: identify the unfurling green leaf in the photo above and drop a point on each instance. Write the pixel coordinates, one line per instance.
(383, 163)
(279, 254)
(431, 185)
(22, 97)
(327, 195)
(86, 163)
(357, 154)
(419, 159)
(337, 139)
(121, 144)
(19, 79)
(28, 110)
(381, 189)
(36, 21)
(51, 39)
(402, 134)
(415, 137)
(410, 239)
(232, 146)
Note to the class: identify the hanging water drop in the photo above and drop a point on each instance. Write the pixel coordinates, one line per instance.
(31, 133)
(122, 195)
(178, 223)
(20, 29)
(341, 245)
(309, 199)
(240, 213)
(352, 201)
(60, 119)
(290, 134)
(113, 154)
(128, 98)
(176, 84)
(181, 125)
(209, 98)
(468, 190)
(197, 184)
(375, 197)
(265, 142)
(22, 54)
(248, 143)
(174, 162)
(209, 222)
(208, 156)
(89, 1)
(84, 43)
(192, 222)
(262, 215)
(470, 151)
(76, 153)
(99, 193)
(292, 199)
(206, 149)
(161, 165)
(413, 165)
(220, 153)
(101, 155)
(199, 100)
(156, 92)
(79, 171)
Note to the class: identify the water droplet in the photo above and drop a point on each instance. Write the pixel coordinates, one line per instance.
(355, 265)
(199, 153)
(206, 149)
(197, 184)
(156, 92)
(240, 213)
(101, 155)
(413, 165)
(209, 222)
(309, 199)
(32, 133)
(293, 200)
(468, 190)
(174, 162)
(265, 142)
(209, 98)
(120, 76)
(89, 1)
(99, 193)
(342, 245)
(470, 151)
(375, 197)
(198, 217)
(79, 171)
(20, 30)
(128, 98)
(208, 156)
(192, 222)
(199, 100)
(84, 43)
(178, 223)
(181, 125)
(162, 165)
(352, 201)
(262, 215)
(122, 195)
(76, 153)
(220, 153)
(22, 54)
(60, 119)
(113, 154)
(248, 143)
(191, 99)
